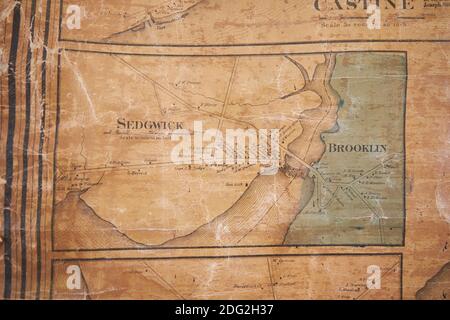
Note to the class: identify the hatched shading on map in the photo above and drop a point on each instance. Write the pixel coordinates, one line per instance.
(340, 117)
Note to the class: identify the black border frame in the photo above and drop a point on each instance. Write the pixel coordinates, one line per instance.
(257, 44)
(402, 244)
(394, 254)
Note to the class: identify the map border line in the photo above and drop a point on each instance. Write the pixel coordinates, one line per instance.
(258, 44)
(403, 242)
(274, 255)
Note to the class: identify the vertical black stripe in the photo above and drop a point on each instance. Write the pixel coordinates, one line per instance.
(41, 146)
(55, 146)
(26, 139)
(9, 151)
(405, 100)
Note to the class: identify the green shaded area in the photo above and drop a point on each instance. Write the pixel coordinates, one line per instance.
(359, 189)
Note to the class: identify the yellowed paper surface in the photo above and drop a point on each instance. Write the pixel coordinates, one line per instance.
(211, 149)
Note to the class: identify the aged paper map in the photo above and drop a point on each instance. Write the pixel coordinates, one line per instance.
(225, 149)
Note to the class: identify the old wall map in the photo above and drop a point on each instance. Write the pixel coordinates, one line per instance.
(344, 191)
(152, 148)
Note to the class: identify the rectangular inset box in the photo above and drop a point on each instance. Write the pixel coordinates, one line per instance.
(309, 276)
(200, 23)
(342, 151)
